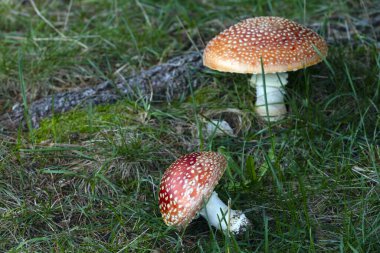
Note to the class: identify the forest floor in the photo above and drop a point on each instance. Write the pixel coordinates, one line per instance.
(87, 180)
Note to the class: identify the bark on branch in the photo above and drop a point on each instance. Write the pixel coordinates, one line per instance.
(162, 82)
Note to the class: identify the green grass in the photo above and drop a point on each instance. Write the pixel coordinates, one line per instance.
(87, 180)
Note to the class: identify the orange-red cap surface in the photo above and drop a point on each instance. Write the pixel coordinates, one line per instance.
(282, 44)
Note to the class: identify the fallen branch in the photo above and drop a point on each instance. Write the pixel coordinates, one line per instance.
(162, 82)
(168, 80)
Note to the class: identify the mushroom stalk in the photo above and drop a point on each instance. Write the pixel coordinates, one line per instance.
(274, 90)
(220, 216)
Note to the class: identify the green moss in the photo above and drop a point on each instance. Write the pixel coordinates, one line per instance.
(77, 124)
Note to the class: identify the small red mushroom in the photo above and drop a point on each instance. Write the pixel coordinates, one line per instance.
(187, 188)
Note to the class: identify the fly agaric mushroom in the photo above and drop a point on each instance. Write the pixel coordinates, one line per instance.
(187, 187)
(276, 44)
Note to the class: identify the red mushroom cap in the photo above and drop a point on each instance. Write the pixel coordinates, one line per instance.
(282, 44)
(187, 184)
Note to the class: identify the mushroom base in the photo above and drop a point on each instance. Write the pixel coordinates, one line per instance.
(221, 217)
(270, 97)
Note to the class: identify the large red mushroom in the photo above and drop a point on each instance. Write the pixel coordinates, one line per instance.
(187, 188)
(277, 45)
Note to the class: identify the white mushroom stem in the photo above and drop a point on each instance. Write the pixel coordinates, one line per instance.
(274, 90)
(221, 217)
